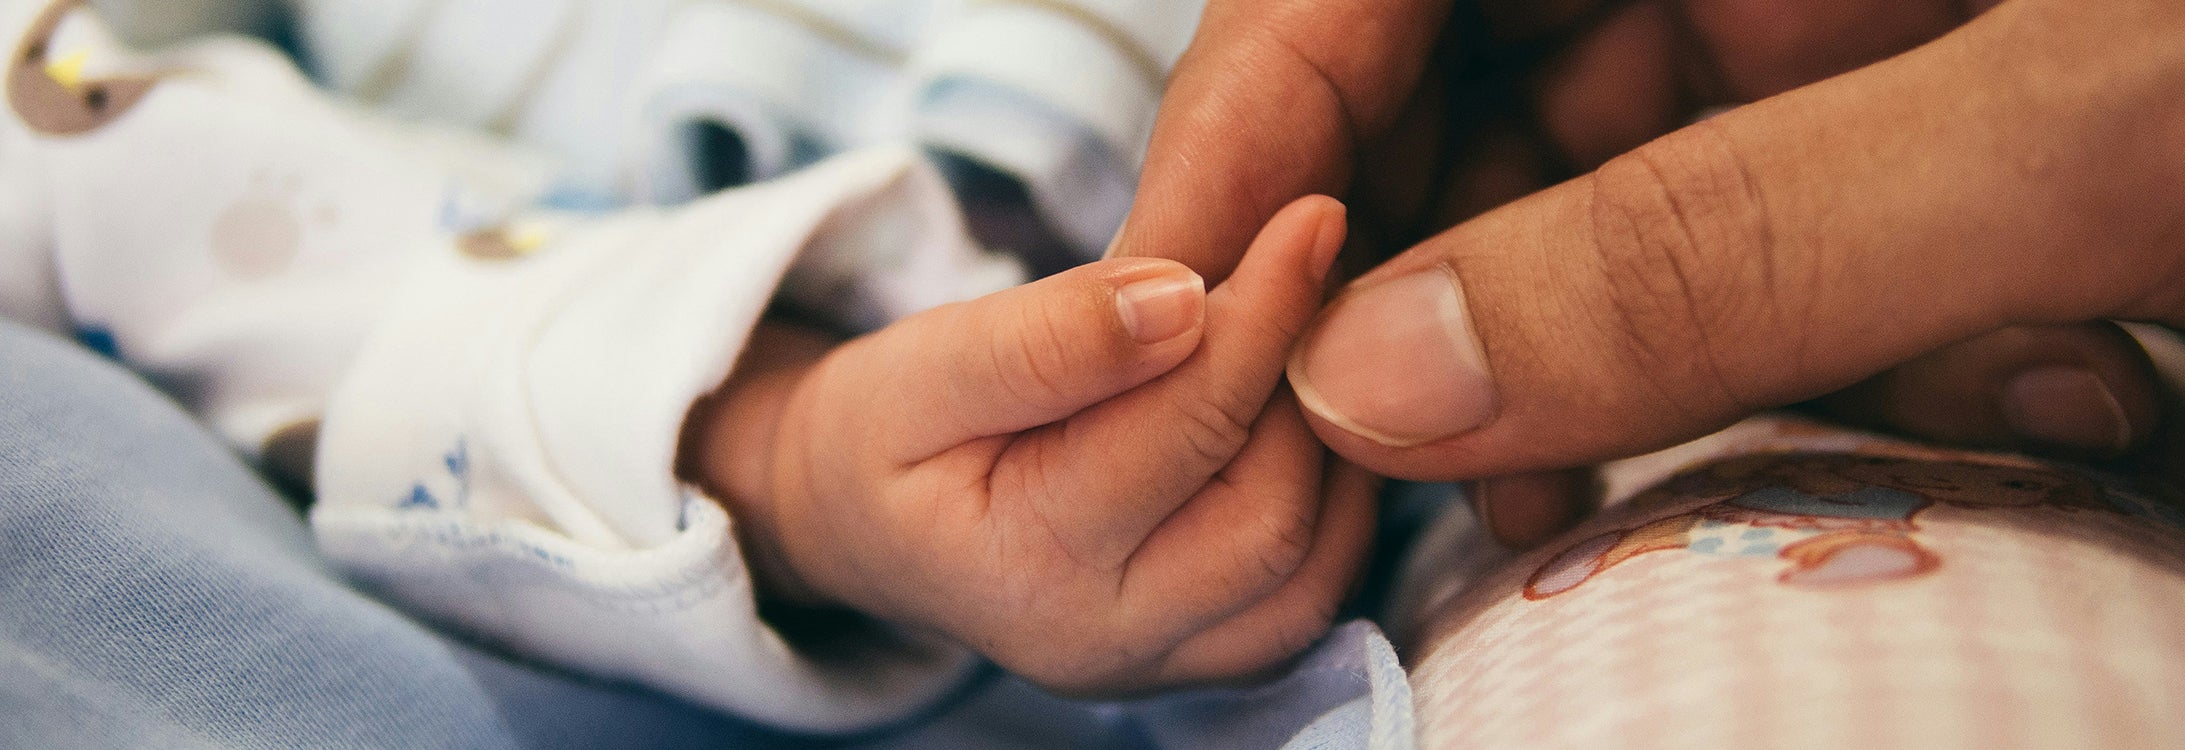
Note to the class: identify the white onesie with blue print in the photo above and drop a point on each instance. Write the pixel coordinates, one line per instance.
(500, 390)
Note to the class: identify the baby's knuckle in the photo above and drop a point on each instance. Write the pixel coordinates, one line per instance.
(1283, 539)
(1213, 432)
(1036, 366)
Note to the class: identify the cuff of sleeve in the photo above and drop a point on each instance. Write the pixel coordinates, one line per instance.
(787, 80)
(1077, 183)
(679, 616)
(501, 456)
(1100, 62)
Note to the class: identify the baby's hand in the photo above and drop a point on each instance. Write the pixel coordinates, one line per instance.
(1091, 479)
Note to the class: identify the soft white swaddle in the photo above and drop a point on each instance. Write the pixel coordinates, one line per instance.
(1059, 94)
(498, 391)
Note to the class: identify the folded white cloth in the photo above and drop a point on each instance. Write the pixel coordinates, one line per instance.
(499, 390)
(1059, 94)
(501, 456)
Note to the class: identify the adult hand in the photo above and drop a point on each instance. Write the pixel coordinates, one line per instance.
(2024, 167)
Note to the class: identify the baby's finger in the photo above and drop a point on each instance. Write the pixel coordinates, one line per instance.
(1274, 629)
(1237, 540)
(1271, 103)
(1027, 356)
(1159, 443)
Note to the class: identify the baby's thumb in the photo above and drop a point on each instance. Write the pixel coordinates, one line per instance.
(1027, 356)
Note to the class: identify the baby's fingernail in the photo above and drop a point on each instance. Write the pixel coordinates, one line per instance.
(1397, 362)
(1328, 242)
(1162, 307)
(2067, 406)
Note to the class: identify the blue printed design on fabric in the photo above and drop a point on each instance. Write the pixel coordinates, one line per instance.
(457, 464)
(99, 339)
(580, 199)
(458, 461)
(421, 498)
(1730, 539)
(463, 211)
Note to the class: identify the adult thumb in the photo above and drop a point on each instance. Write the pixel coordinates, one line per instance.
(1775, 253)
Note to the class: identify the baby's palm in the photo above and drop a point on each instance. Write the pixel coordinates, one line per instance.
(1095, 513)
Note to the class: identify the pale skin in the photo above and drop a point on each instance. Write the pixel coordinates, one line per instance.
(1097, 480)
(1925, 218)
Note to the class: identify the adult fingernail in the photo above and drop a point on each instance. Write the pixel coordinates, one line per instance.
(1397, 362)
(2067, 406)
(1328, 242)
(1162, 307)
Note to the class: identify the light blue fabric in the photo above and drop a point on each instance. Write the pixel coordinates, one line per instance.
(154, 592)
(1381, 719)
(1353, 664)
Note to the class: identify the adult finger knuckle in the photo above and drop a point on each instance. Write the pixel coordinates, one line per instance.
(1688, 260)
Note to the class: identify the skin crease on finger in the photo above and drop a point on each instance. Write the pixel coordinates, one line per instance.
(1269, 77)
(1207, 181)
(925, 474)
(2055, 213)
(1743, 50)
(1725, 52)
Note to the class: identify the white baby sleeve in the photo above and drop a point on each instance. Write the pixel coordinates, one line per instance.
(501, 456)
(1060, 94)
(789, 78)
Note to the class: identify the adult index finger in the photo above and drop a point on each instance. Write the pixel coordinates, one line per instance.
(1271, 103)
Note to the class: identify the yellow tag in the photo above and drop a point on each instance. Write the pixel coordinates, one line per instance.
(68, 71)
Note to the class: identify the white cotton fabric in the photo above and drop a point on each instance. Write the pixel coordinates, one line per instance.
(1060, 94)
(499, 425)
(525, 488)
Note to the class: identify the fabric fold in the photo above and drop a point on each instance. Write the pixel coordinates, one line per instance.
(501, 456)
